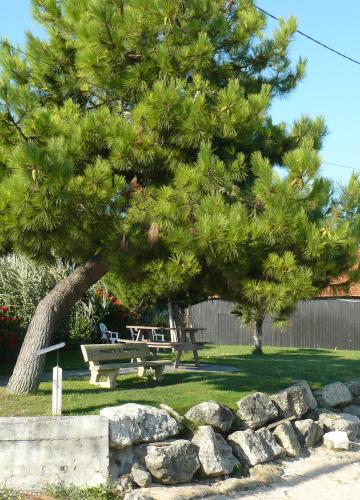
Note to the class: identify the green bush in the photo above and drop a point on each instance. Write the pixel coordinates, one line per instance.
(23, 284)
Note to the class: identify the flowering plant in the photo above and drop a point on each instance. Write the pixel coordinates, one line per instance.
(9, 342)
(6, 315)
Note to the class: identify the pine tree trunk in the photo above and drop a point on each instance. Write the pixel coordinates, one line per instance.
(50, 310)
(258, 337)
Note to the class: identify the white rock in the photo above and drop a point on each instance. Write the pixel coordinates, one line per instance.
(215, 455)
(343, 422)
(333, 394)
(141, 475)
(133, 423)
(286, 437)
(293, 401)
(352, 410)
(354, 387)
(311, 398)
(211, 413)
(172, 462)
(255, 447)
(308, 432)
(256, 410)
(336, 440)
(124, 484)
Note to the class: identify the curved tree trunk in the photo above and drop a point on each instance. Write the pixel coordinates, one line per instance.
(50, 310)
(258, 337)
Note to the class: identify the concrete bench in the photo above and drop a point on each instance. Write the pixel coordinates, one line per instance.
(106, 360)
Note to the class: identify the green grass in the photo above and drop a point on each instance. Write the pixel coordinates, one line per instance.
(277, 369)
(63, 492)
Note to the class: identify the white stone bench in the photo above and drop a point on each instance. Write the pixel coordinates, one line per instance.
(106, 360)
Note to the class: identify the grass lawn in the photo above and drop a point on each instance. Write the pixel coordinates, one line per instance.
(277, 369)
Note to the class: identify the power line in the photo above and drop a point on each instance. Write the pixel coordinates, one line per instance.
(311, 38)
(340, 166)
(7, 44)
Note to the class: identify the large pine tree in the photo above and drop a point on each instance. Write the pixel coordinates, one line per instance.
(136, 139)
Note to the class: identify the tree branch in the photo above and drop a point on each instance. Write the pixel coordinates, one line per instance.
(16, 125)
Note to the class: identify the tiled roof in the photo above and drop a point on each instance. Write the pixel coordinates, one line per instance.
(352, 291)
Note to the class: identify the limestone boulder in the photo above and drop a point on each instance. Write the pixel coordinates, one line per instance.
(211, 413)
(134, 423)
(141, 476)
(310, 396)
(287, 438)
(335, 394)
(309, 433)
(215, 455)
(172, 462)
(352, 410)
(255, 447)
(180, 419)
(342, 422)
(256, 410)
(354, 387)
(293, 401)
(336, 440)
(268, 473)
(124, 484)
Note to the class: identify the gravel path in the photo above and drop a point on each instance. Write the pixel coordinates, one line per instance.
(324, 475)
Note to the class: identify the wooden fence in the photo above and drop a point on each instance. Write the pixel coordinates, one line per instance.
(322, 323)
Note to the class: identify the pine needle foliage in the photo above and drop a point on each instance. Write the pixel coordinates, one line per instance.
(140, 130)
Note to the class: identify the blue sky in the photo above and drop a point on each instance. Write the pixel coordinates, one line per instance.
(331, 86)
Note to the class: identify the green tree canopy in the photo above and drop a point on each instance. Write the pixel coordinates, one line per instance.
(136, 139)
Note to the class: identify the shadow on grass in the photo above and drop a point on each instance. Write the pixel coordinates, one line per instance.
(274, 371)
(269, 373)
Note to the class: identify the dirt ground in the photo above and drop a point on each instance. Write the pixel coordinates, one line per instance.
(323, 475)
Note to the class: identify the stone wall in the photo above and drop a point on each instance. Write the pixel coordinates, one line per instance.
(142, 446)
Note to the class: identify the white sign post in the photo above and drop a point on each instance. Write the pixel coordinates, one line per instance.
(57, 379)
(57, 390)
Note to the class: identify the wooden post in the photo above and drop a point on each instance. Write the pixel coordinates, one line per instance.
(57, 391)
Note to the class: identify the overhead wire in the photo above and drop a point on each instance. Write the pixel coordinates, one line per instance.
(318, 42)
(340, 166)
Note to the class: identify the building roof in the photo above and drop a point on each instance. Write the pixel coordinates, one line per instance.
(335, 290)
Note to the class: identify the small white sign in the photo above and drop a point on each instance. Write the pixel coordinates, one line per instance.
(57, 391)
(51, 348)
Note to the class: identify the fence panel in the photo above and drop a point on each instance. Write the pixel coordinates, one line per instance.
(325, 323)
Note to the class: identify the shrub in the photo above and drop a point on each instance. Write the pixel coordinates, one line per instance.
(23, 284)
(9, 340)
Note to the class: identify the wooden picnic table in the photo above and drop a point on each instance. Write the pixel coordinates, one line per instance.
(185, 341)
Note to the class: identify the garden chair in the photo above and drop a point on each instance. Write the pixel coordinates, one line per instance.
(108, 335)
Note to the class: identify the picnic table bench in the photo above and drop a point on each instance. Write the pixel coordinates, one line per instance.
(185, 341)
(106, 360)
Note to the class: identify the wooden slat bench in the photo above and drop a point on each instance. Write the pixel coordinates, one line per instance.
(107, 359)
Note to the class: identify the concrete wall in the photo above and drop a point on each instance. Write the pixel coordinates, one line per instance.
(35, 451)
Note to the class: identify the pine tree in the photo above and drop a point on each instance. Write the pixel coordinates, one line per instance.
(301, 235)
(128, 145)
